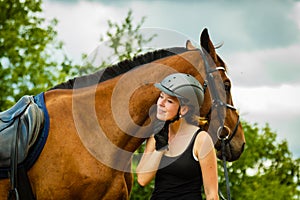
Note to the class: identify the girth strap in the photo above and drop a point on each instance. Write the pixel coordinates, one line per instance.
(23, 190)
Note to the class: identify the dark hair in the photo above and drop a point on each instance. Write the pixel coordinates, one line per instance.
(191, 116)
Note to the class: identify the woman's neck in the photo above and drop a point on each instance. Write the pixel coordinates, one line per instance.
(180, 135)
(178, 126)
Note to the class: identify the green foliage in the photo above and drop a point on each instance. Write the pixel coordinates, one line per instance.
(266, 169)
(125, 39)
(28, 64)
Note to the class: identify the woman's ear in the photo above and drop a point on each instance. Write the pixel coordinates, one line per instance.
(184, 110)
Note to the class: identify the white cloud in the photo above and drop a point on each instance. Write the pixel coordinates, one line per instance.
(282, 100)
(81, 23)
(295, 15)
(277, 106)
(266, 67)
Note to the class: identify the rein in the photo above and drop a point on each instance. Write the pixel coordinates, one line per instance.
(217, 104)
(225, 169)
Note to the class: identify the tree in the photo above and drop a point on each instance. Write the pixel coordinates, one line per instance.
(266, 170)
(29, 61)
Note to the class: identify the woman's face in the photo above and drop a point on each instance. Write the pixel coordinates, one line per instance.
(167, 107)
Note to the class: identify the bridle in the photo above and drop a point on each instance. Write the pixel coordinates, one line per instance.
(218, 104)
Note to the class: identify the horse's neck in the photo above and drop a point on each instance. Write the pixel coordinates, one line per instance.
(122, 107)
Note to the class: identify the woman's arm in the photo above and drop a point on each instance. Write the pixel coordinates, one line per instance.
(149, 163)
(204, 150)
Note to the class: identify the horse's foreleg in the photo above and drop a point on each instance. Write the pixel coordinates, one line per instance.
(129, 181)
(120, 186)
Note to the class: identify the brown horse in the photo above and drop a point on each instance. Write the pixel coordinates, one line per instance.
(96, 127)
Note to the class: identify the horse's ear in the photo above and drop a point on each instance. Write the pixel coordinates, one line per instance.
(206, 43)
(189, 45)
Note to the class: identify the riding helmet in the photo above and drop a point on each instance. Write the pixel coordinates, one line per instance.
(183, 86)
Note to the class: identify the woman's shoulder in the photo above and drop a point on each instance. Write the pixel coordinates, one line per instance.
(202, 134)
(203, 144)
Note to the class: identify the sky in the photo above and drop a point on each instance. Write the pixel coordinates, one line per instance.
(261, 46)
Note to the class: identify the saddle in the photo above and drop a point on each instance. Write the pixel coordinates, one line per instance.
(19, 128)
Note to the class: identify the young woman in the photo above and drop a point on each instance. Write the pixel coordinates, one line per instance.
(180, 155)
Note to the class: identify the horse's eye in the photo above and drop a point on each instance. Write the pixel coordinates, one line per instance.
(227, 86)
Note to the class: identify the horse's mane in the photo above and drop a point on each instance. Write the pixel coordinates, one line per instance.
(119, 68)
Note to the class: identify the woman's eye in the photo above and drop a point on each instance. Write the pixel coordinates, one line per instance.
(170, 101)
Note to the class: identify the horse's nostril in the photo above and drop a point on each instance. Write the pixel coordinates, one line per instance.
(243, 146)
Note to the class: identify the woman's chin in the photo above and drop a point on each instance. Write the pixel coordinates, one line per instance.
(161, 117)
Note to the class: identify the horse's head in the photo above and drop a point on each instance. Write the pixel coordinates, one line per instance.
(218, 109)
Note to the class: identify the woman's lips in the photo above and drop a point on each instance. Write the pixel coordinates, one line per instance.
(160, 111)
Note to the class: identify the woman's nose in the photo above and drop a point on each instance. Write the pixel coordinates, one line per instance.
(161, 102)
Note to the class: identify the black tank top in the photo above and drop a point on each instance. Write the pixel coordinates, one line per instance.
(179, 177)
